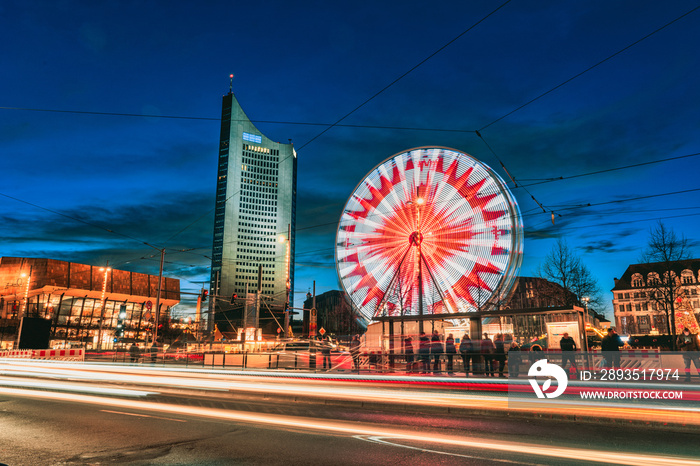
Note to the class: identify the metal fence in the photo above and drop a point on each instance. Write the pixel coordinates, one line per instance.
(515, 364)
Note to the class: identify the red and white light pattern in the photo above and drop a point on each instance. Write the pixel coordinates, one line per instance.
(435, 203)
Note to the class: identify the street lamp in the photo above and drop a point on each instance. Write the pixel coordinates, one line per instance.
(585, 300)
(104, 302)
(25, 302)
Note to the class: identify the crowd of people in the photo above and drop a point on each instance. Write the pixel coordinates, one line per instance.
(490, 357)
(483, 357)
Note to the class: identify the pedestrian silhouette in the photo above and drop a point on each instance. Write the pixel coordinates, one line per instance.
(465, 350)
(487, 350)
(450, 351)
(436, 349)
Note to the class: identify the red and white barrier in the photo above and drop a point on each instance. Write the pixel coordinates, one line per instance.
(16, 354)
(64, 354)
(61, 354)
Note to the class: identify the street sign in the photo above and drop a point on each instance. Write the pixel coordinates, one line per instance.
(149, 305)
(322, 331)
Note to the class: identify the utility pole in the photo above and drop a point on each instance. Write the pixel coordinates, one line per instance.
(104, 303)
(289, 283)
(312, 330)
(313, 322)
(214, 290)
(258, 295)
(245, 318)
(160, 284)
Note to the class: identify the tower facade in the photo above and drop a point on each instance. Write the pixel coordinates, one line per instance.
(254, 221)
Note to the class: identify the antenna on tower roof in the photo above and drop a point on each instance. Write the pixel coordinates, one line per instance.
(230, 86)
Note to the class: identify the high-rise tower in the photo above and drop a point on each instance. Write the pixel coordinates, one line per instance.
(255, 208)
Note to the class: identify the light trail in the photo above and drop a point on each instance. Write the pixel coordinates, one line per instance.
(93, 389)
(354, 429)
(364, 389)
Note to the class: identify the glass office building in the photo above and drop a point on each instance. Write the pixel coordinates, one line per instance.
(254, 220)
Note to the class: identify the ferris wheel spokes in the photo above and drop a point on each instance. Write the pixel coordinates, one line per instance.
(429, 230)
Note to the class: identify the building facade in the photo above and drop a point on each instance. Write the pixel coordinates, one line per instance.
(535, 292)
(334, 313)
(254, 223)
(644, 293)
(74, 298)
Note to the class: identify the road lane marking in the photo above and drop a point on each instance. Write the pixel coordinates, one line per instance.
(490, 459)
(142, 415)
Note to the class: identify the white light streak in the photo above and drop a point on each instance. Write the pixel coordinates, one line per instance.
(354, 429)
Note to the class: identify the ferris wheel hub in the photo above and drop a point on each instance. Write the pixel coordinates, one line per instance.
(416, 238)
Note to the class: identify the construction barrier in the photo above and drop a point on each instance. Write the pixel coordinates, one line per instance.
(16, 354)
(60, 354)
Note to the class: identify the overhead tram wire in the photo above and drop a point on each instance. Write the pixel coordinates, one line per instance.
(600, 214)
(316, 251)
(590, 68)
(274, 122)
(535, 181)
(94, 225)
(337, 123)
(512, 178)
(478, 132)
(607, 170)
(333, 223)
(117, 233)
(525, 214)
(76, 219)
(638, 198)
(624, 222)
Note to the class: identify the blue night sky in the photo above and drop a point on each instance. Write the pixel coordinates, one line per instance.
(68, 177)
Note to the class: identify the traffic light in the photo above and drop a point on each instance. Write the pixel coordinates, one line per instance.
(234, 296)
(120, 321)
(204, 295)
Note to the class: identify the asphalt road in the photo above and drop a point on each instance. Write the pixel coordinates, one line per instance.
(50, 428)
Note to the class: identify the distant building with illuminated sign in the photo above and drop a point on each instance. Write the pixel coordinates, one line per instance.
(255, 204)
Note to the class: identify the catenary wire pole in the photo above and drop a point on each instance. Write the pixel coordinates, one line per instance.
(160, 285)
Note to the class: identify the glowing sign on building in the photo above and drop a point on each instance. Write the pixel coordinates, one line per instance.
(252, 138)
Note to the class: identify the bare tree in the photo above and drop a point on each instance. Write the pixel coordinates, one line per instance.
(663, 286)
(563, 267)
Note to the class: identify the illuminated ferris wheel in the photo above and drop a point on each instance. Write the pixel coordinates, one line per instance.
(429, 231)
